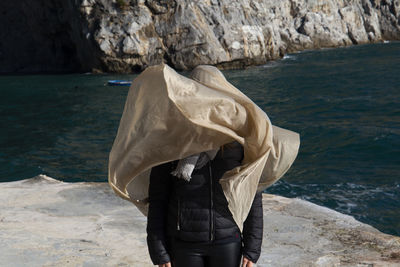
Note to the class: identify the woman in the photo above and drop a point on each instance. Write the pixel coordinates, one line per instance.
(208, 214)
(189, 223)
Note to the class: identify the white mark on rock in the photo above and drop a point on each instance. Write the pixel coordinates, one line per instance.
(236, 45)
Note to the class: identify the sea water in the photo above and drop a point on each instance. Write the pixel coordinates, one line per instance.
(344, 102)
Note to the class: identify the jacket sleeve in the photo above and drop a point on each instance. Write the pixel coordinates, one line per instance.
(157, 214)
(253, 230)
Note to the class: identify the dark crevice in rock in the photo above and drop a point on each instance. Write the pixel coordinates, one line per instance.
(392, 8)
(39, 37)
(366, 7)
(301, 28)
(351, 36)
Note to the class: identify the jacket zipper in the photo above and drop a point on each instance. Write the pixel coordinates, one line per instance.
(211, 205)
(178, 226)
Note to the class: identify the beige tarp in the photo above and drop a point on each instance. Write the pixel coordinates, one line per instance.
(168, 117)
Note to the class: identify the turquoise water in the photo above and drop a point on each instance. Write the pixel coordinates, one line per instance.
(344, 102)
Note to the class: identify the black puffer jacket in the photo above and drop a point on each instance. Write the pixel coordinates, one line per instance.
(197, 211)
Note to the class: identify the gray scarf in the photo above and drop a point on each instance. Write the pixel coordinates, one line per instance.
(187, 165)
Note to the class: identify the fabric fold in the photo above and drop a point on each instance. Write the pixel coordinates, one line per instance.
(170, 117)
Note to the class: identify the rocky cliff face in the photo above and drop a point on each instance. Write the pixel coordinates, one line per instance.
(42, 36)
(129, 35)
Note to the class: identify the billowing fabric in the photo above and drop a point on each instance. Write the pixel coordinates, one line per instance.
(168, 117)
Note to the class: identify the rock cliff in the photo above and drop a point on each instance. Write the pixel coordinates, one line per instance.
(129, 35)
(45, 222)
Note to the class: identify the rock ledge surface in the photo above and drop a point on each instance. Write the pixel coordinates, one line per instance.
(45, 222)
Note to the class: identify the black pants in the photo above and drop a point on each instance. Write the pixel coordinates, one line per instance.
(206, 255)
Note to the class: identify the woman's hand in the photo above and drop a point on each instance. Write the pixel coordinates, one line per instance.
(247, 262)
(168, 264)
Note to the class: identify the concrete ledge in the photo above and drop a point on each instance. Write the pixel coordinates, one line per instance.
(45, 222)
